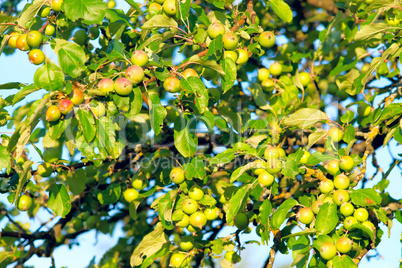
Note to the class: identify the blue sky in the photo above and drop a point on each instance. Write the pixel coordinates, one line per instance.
(17, 68)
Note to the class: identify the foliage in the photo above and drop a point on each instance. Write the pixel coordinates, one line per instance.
(163, 116)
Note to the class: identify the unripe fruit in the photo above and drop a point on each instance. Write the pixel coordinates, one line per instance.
(177, 259)
(346, 209)
(315, 207)
(53, 113)
(170, 7)
(275, 69)
(346, 163)
(267, 39)
(215, 29)
(21, 43)
(327, 251)
(344, 245)
(135, 74)
(51, 155)
(44, 12)
(189, 206)
(49, 30)
(77, 224)
(66, 106)
(230, 40)
(361, 214)
(130, 195)
(56, 5)
(154, 8)
(266, 179)
(80, 37)
(369, 225)
(196, 193)
(340, 196)
(189, 72)
(274, 166)
(36, 56)
(76, 96)
(263, 74)
(111, 4)
(172, 84)
(271, 153)
(231, 55)
(332, 167)
(34, 38)
(177, 175)
(305, 215)
(335, 134)
(267, 85)
(243, 57)
(232, 256)
(106, 85)
(341, 182)
(364, 110)
(187, 243)
(326, 186)
(92, 221)
(304, 78)
(282, 152)
(12, 40)
(198, 219)
(241, 221)
(139, 183)
(209, 74)
(123, 86)
(349, 222)
(98, 108)
(305, 157)
(212, 213)
(184, 222)
(140, 58)
(44, 170)
(24, 202)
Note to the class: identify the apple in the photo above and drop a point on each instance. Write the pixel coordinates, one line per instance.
(347, 209)
(172, 84)
(36, 56)
(341, 182)
(315, 207)
(189, 206)
(265, 179)
(44, 12)
(187, 243)
(363, 110)
(189, 72)
(177, 260)
(53, 113)
(135, 74)
(34, 38)
(361, 214)
(346, 163)
(305, 157)
(369, 225)
(177, 175)
(130, 195)
(106, 85)
(154, 8)
(24, 202)
(232, 256)
(349, 222)
(123, 86)
(275, 69)
(230, 40)
(51, 155)
(56, 5)
(21, 43)
(243, 56)
(77, 224)
(344, 245)
(305, 78)
(241, 221)
(305, 215)
(98, 108)
(327, 251)
(215, 29)
(76, 96)
(274, 166)
(139, 183)
(80, 37)
(326, 186)
(66, 106)
(267, 39)
(12, 40)
(44, 170)
(196, 193)
(263, 74)
(267, 85)
(231, 55)
(170, 7)
(340, 196)
(49, 30)
(111, 4)
(212, 213)
(198, 219)
(332, 167)
(335, 134)
(139, 58)
(271, 153)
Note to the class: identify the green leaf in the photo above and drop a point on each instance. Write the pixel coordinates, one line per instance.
(76, 181)
(238, 200)
(24, 176)
(90, 11)
(185, 9)
(393, 109)
(327, 218)
(279, 216)
(132, 209)
(207, 63)
(110, 195)
(159, 21)
(195, 169)
(282, 9)
(290, 167)
(321, 239)
(56, 130)
(207, 200)
(106, 138)
(265, 211)
(314, 137)
(22, 93)
(156, 112)
(230, 73)
(185, 140)
(343, 261)
(5, 159)
(305, 118)
(49, 76)
(347, 117)
(215, 48)
(152, 243)
(365, 197)
(239, 171)
(195, 86)
(349, 134)
(59, 200)
(370, 31)
(259, 96)
(165, 208)
(71, 57)
(318, 157)
(87, 124)
(30, 12)
(225, 157)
